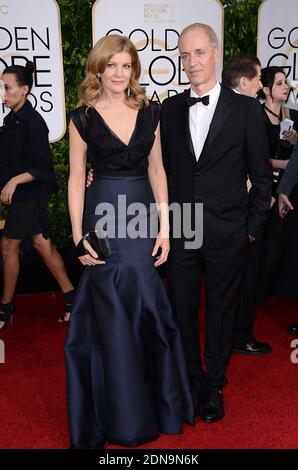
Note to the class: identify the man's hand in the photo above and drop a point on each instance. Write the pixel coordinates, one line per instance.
(284, 205)
(89, 178)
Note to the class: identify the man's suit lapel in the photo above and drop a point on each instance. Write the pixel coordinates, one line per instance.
(184, 122)
(221, 113)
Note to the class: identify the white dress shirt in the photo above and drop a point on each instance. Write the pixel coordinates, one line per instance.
(200, 117)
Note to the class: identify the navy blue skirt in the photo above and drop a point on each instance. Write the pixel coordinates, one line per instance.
(126, 373)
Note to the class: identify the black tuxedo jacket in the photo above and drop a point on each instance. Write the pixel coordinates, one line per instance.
(290, 176)
(236, 146)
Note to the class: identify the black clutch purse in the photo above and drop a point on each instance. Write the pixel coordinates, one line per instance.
(99, 241)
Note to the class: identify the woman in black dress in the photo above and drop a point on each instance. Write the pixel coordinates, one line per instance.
(126, 374)
(26, 181)
(278, 239)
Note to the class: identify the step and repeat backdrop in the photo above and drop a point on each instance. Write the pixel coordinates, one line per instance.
(278, 40)
(154, 28)
(31, 29)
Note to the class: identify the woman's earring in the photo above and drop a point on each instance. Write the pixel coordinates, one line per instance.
(98, 76)
(128, 91)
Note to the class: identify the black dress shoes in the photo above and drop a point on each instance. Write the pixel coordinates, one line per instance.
(293, 328)
(252, 348)
(212, 405)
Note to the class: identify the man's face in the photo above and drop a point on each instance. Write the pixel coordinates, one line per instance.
(252, 86)
(198, 58)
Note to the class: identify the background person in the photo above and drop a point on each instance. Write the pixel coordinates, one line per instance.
(242, 73)
(279, 254)
(26, 181)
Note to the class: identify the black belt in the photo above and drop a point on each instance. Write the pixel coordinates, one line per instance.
(99, 174)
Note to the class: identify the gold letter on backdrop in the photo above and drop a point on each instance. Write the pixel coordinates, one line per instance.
(278, 40)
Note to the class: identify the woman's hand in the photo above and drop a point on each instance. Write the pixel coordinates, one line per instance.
(291, 136)
(272, 202)
(7, 191)
(91, 258)
(284, 205)
(277, 164)
(162, 244)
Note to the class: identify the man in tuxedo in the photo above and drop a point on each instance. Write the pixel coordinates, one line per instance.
(285, 187)
(210, 145)
(242, 74)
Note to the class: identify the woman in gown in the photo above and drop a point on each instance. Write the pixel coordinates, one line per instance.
(126, 375)
(279, 246)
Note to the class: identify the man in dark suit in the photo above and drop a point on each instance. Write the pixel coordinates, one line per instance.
(209, 146)
(285, 187)
(242, 74)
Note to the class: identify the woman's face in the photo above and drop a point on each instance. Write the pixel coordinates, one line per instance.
(280, 88)
(13, 95)
(115, 79)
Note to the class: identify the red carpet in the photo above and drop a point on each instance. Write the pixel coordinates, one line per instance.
(260, 399)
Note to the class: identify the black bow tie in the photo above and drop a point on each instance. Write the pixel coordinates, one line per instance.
(204, 100)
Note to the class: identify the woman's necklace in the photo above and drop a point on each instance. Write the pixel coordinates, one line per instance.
(278, 116)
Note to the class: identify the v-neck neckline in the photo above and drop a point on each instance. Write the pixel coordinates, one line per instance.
(114, 133)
